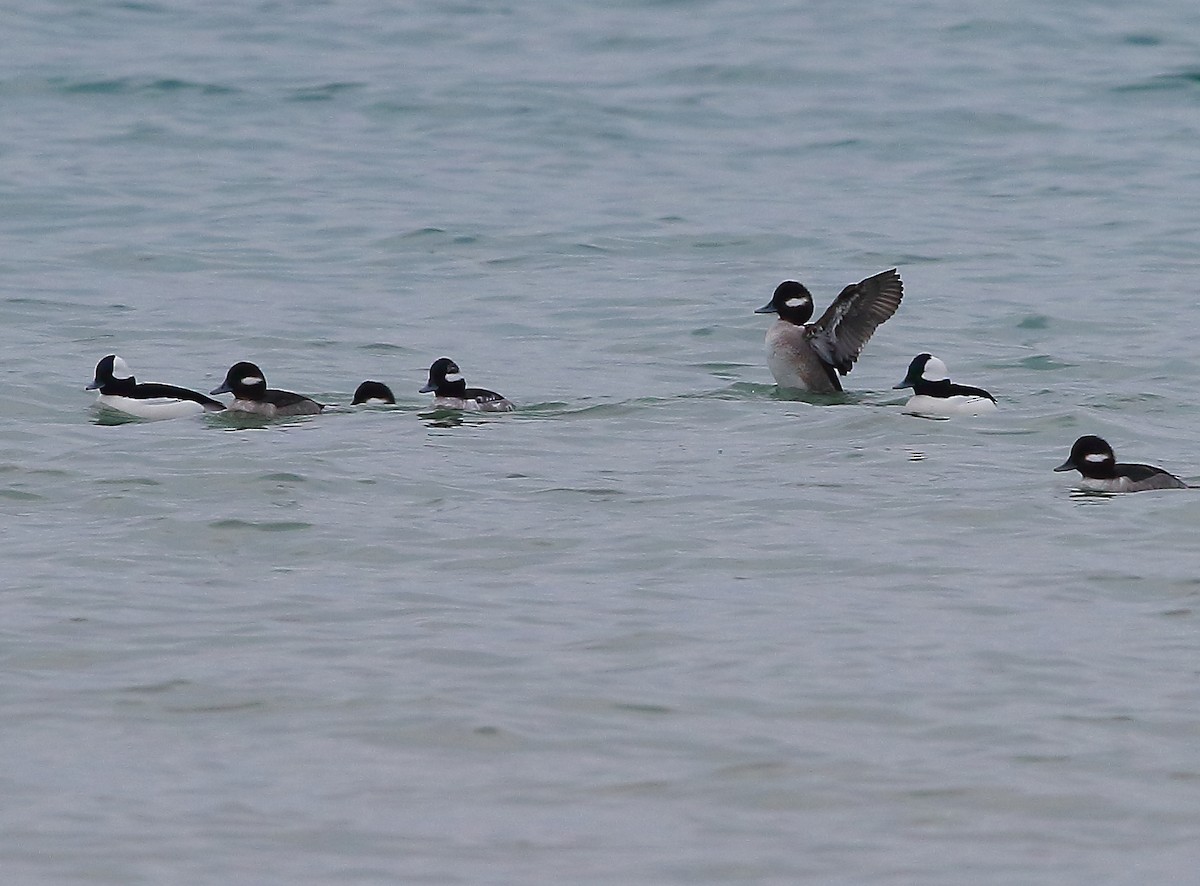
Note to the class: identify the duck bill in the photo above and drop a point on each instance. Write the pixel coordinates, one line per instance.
(1065, 466)
(904, 384)
(429, 388)
(221, 389)
(94, 386)
(768, 308)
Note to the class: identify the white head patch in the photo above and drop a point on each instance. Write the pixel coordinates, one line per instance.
(250, 381)
(797, 302)
(120, 369)
(1096, 457)
(453, 377)
(935, 370)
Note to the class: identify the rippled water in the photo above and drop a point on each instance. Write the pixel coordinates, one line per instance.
(662, 624)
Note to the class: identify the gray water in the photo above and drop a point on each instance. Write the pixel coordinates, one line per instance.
(663, 623)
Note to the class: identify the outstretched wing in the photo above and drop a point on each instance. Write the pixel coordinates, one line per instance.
(851, 320)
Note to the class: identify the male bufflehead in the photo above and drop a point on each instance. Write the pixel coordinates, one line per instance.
(809, 356)
(119, 390)
(935, 395)
(1094, 459)
(373, 392)
(250, 394)
(450, 390)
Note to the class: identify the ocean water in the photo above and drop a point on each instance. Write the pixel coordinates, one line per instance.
(664, 623)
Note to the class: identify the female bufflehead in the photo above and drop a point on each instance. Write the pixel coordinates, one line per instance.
(250, 394)
(373, 392)
(450, 390)
(119, 390)
(1094, 459)
(809, 356)
(935, 395)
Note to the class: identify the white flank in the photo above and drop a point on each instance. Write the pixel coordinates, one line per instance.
(945, 407)
(151, 410)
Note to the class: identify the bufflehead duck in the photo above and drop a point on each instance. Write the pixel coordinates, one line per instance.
(119, 390)
(935, 395)
(250, 394)
(373, 392)
(809, 356)
(450, 390)
(1094, 459)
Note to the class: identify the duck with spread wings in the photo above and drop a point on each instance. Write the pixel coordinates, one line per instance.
(809, 356)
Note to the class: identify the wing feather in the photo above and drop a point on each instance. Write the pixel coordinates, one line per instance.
(851, 320)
